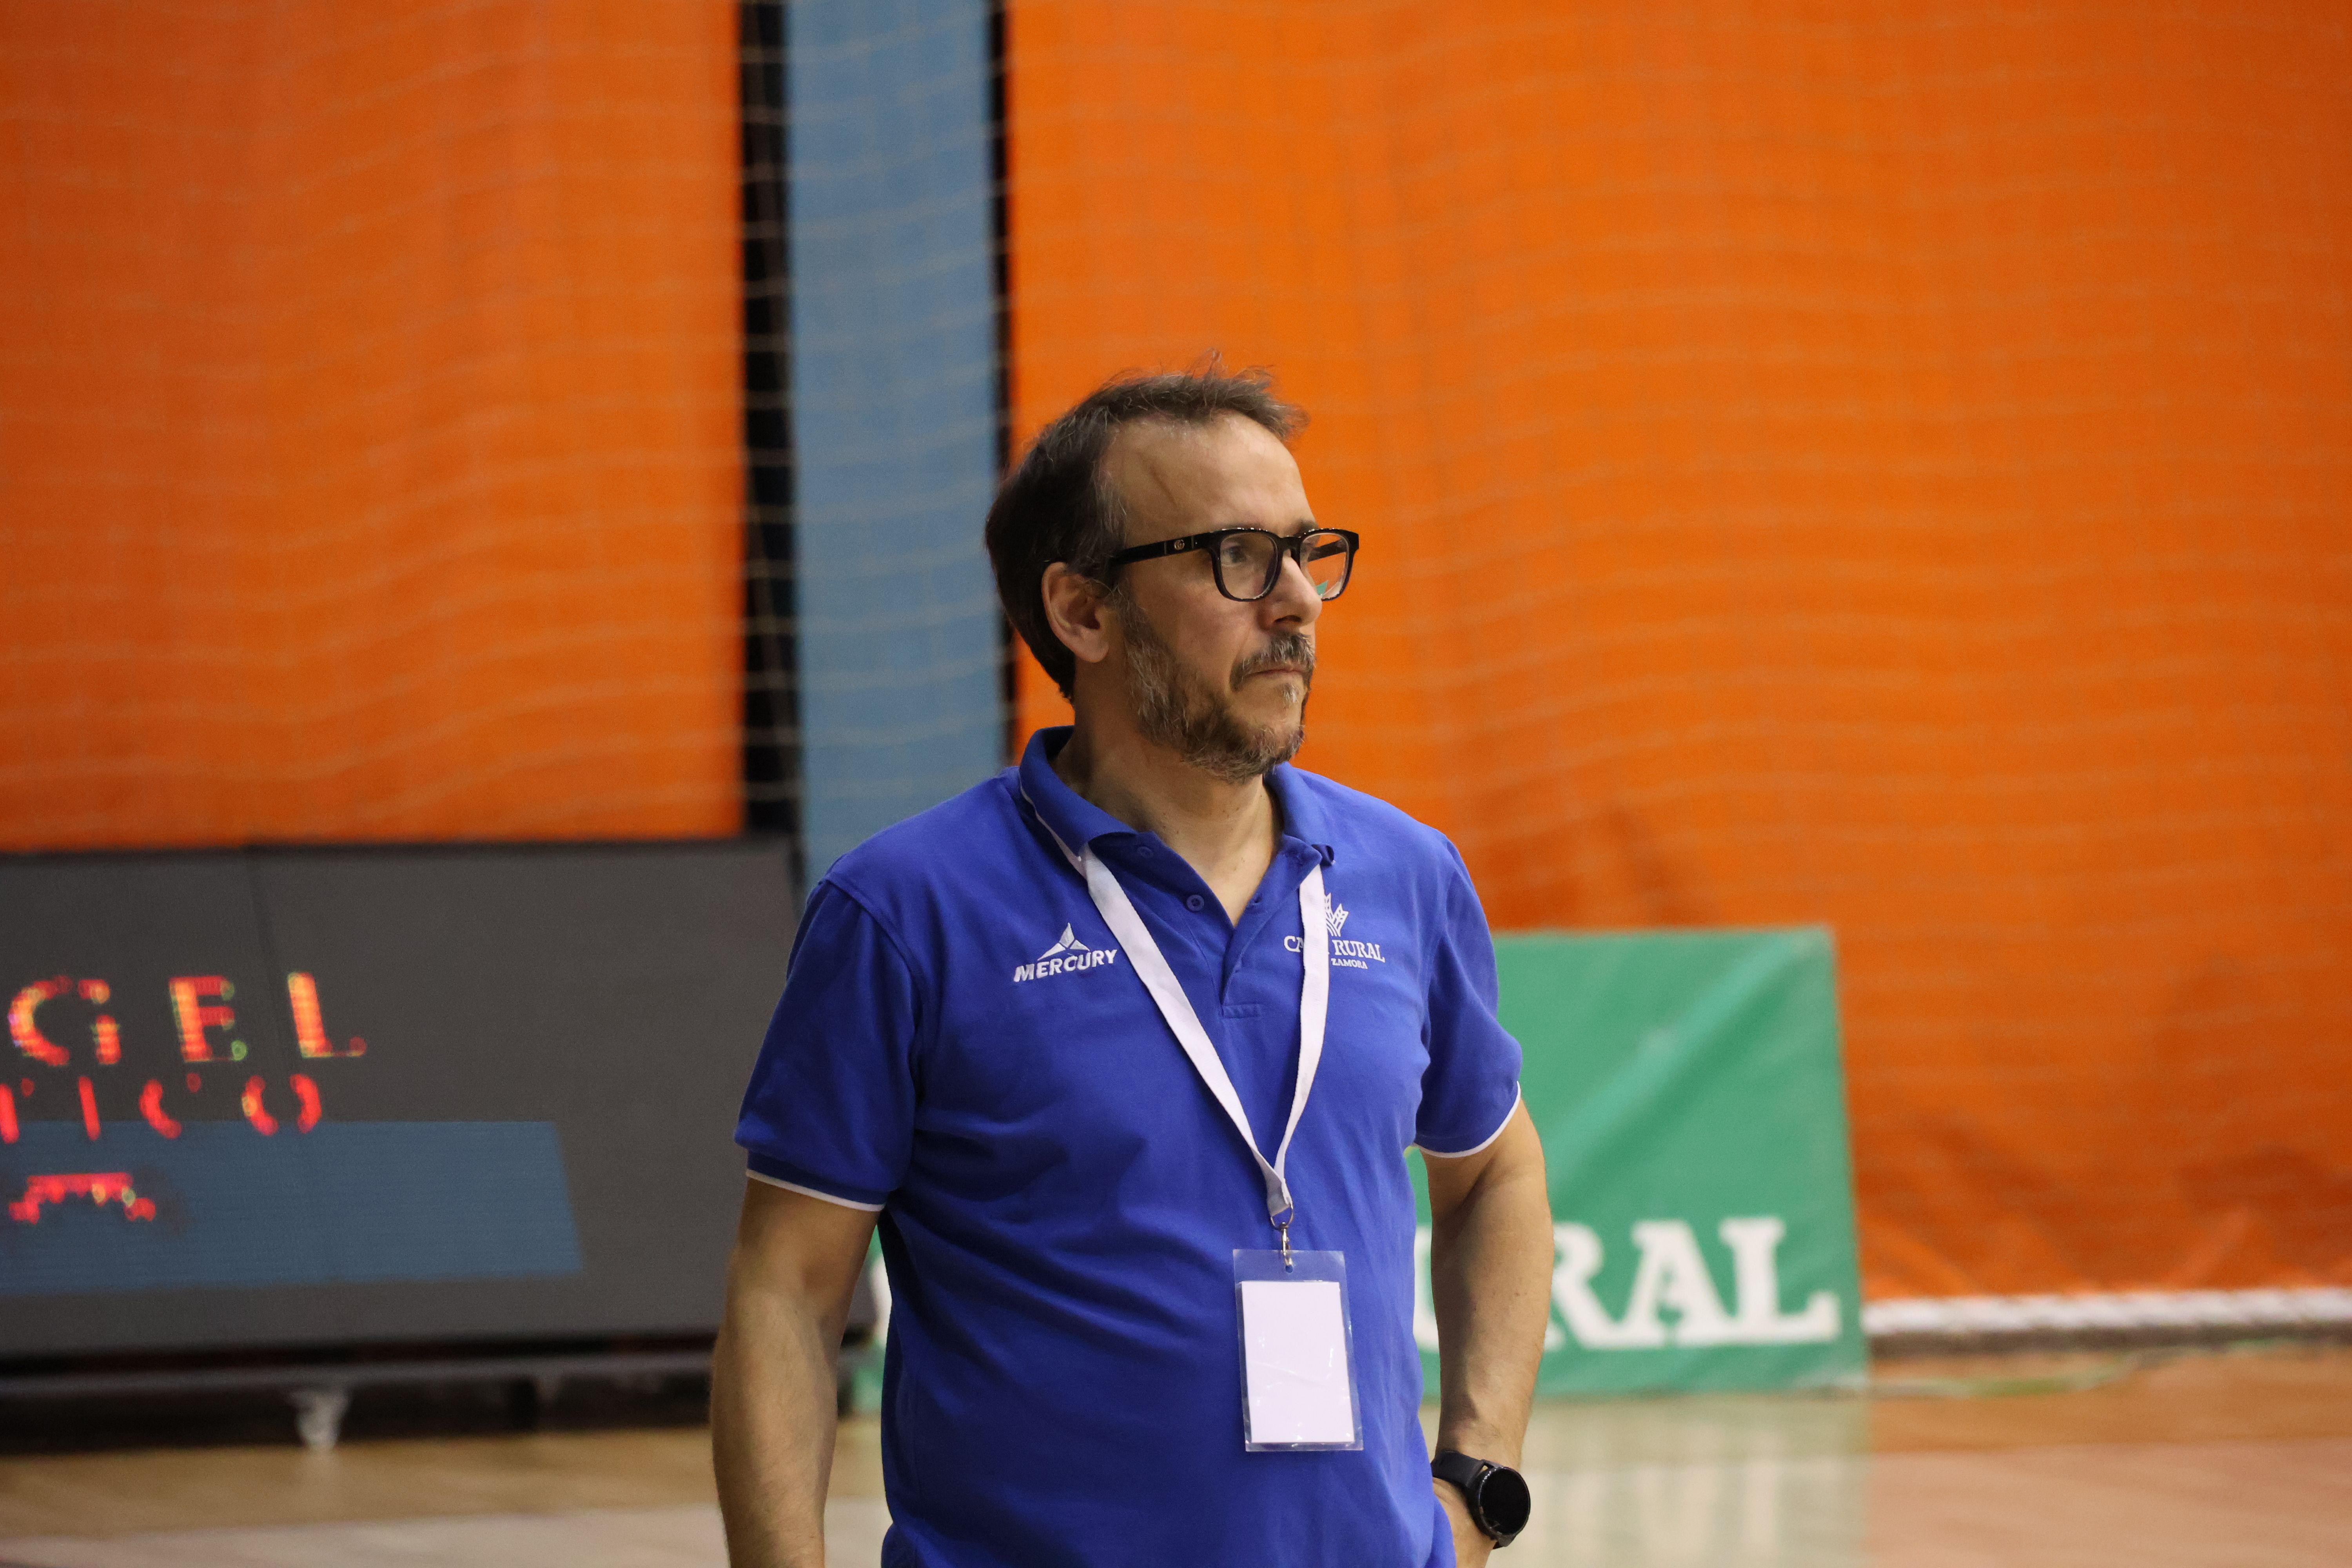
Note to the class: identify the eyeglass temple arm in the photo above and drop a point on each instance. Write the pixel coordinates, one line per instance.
(1147, 551)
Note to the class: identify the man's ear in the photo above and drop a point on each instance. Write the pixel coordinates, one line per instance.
(1075, 609)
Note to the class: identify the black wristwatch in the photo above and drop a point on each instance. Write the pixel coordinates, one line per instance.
(1497, 1494)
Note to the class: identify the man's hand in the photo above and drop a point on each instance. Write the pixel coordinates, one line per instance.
(1490, 1259)
(1471, 1547)
(796, 1260)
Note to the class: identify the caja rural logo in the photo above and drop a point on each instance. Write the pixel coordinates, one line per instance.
(1346, 952)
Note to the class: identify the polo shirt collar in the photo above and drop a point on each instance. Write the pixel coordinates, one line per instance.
(1302, 813)
(1077, 821)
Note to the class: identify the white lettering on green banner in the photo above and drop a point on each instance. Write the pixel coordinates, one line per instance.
(1672, 1281)
(1687, 1088)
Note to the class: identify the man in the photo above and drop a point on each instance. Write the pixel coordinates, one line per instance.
(1066, 1037)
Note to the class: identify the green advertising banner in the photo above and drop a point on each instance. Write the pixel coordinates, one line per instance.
(1692, 1106)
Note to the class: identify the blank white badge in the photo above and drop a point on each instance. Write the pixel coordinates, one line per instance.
(1295, 1362)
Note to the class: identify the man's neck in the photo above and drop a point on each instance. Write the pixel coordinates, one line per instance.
(1225, 830)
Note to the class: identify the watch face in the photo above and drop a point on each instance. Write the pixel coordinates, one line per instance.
(1503, 1498)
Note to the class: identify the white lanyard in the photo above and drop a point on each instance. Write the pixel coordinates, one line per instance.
(1314, 998)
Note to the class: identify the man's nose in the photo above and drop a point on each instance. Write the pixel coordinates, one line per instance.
(1294, 597)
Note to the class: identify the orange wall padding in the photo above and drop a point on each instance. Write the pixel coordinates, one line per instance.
(1881, 465)
(369, 422)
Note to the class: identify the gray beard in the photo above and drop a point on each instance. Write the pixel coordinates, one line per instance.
(1177, 709)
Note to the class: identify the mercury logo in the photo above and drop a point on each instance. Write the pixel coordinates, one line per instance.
(1069, 955)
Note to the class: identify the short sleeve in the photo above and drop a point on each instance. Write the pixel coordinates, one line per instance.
(1472, 1084)
(831, 1107)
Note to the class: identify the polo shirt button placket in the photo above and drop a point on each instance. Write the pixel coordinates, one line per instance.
(1194, 903)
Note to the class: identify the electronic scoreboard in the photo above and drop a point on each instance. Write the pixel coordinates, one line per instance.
(295, 1097)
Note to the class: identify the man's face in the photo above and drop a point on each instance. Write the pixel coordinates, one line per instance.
(1221, 682)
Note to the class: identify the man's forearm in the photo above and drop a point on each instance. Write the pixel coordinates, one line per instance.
(1490, 1267)
(771, 1418)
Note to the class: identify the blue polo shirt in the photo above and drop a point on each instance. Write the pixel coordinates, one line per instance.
(962, 1048)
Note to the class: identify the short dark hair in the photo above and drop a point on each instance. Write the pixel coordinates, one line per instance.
(1058, 504)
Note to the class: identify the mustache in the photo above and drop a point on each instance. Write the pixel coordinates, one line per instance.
(1287, 649)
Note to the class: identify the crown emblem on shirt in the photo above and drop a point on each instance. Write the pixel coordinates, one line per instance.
(1347, 952)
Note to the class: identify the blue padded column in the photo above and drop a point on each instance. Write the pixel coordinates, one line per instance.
(894, 394)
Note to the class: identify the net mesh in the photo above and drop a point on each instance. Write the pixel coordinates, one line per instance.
(1876, 465)
(371, 423)
(1883, 465)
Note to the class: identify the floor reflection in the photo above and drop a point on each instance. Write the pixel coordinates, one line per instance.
(2230, 1458)
(1729, 1482)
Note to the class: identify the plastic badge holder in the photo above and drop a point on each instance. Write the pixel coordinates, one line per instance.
(1298, 1355)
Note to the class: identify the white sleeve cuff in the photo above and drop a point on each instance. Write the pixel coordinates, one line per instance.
(1479, 1147)
(812, 1193)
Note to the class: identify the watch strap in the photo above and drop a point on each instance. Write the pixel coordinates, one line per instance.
(1460, 1468)
(1466, 1473)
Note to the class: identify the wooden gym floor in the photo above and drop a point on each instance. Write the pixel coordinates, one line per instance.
(2237, 1458)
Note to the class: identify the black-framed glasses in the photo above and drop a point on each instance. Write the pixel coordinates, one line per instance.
(1248, 561)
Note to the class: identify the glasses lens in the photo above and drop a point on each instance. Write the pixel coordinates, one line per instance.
(1326, 557)
(1246, 563)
